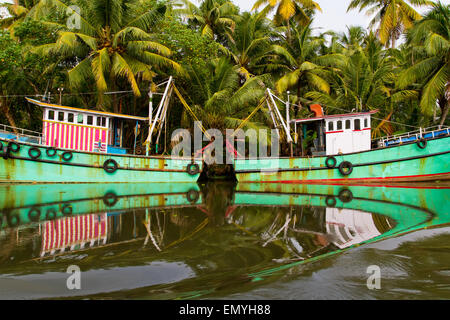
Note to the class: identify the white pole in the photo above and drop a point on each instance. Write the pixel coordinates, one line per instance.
(150, 113)
(275, 124)
(158, 112)
(288, 135)
(150, 106)
(288, 118)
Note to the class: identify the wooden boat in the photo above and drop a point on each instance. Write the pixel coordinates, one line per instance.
(344, 152)
(86, 146)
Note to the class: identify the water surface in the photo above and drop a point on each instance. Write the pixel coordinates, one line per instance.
(222, 241)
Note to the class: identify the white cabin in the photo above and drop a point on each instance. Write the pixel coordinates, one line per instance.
(336, 134)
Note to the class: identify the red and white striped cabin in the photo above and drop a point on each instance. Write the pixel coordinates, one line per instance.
(75, 130)
(83, 129)
(73, 233)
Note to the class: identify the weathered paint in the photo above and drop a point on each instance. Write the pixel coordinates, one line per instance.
(88, 167)
(405, 162)
(374, 195)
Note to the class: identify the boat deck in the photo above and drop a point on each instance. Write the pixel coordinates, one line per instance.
(427, 133)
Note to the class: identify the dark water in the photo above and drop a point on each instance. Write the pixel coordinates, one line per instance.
(224, 241)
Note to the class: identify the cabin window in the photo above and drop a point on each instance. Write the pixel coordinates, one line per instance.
(348, 124)
(90, 120)
(80, 118)
(60, 116)
(357, 124)
(70, 117)
(51, 115)
(330, 126)
(366, 123)
(101, 122)
(339, 125)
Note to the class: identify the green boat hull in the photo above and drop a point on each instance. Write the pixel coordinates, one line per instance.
(407, 162)
(412, 209)
(24, 204)
(419, 207)
(88, 167)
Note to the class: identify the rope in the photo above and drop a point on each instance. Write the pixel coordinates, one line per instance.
(186, 106)
(261, 103)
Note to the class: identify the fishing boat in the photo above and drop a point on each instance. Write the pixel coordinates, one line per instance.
(341, 150)
(87, 146)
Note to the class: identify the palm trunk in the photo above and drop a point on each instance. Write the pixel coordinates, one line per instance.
(297, 109)
(288, 32)
(444, 105)
(5, 109)
(115, 100)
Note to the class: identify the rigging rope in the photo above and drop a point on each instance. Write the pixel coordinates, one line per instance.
(243, 123)
(186, 106)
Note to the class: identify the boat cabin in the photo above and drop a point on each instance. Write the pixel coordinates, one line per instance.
(85, 130)
(333, 134)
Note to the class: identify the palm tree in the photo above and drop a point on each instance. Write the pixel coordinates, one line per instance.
(430, 37)
(300, 63)
(287, 9)
(113, 45)
(250, 45)
(353, 38)
(213, 17)
(365, 81)
(18, 11)
(392, 16)
(219, 99)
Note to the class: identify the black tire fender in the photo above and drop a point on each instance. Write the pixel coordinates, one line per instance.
(67, 209)
(13, 220)
(34, 215)
(193, 169)
(327, 162)
(51, 152)
(192, 196)
(345, 195)
(330, 201)
(110, 199)
(422, 143)
(107, 166)
(346, 165)
(67, 156)
(14, 147)
(51, 214)
(34, 153)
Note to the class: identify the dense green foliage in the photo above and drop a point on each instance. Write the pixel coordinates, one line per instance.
(223, 59)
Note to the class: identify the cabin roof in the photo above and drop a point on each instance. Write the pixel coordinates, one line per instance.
(334, 116)
(108, 114)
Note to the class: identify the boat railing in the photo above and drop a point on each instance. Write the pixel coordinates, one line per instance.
(426, 133)
(20, 134)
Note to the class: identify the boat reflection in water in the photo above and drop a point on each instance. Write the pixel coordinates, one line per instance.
(186, 241)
